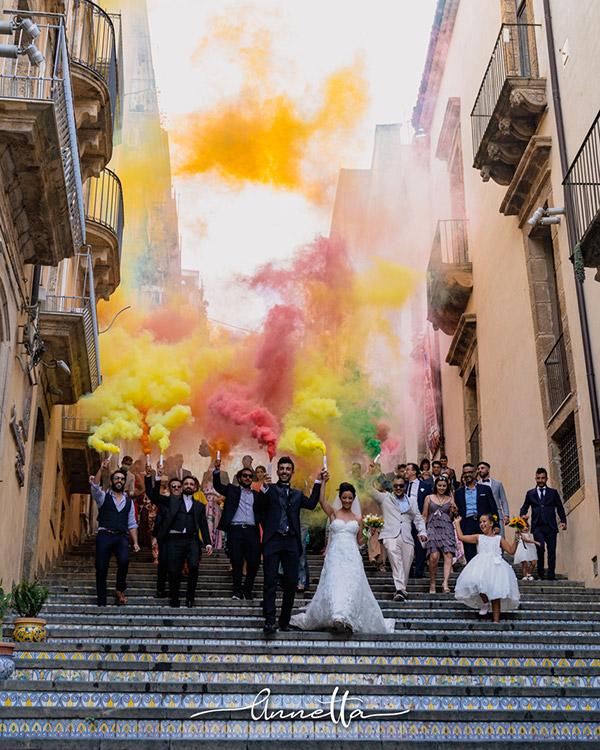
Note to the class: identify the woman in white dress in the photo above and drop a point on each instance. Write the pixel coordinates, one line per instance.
(488, 580)
(343, 599)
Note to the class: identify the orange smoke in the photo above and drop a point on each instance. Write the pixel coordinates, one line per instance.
(263, 134)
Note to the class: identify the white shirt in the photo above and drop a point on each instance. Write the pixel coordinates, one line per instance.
(412, 488)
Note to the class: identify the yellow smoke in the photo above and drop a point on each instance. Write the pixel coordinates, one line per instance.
(301, 442)
(161, 424)
(264, 134)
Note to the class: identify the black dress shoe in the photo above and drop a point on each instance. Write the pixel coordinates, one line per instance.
(269, 628)
(174, 603)
(189, 603)
(552, 577)
(285, 627)
(248, 597)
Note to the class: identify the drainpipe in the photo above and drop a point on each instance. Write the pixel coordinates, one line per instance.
(583, 316)
(35, 285)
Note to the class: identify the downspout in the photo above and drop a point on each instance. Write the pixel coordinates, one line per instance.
(583, 316)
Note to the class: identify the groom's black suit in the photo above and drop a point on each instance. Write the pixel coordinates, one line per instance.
(279, 510)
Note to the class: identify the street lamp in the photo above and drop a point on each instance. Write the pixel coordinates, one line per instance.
(26, 25)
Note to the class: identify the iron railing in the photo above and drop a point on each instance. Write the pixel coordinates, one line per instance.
(450, 243)
(49, 81)
(474, 446)
(84, 305)
(582, 184)
(73, 422)
(104, 202)
(568, 452)
(514, 56)
(92, 44)
(557, 374)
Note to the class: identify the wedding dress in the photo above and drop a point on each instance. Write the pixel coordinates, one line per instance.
(343, 597)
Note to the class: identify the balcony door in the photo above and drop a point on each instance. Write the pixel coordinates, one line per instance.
(523, 29)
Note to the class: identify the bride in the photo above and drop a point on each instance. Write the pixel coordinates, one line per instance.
(343, 599)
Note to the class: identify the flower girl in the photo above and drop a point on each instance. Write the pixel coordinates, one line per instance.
(488, 580)
(526, 554)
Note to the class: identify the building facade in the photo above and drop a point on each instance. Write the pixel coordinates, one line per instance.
(507, 118)
(61, 211)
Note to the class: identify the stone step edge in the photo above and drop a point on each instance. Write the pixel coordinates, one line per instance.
(106, 665)
(179, 715)
(75, 687)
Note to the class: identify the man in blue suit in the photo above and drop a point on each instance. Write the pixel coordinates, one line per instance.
(473, 500)
(240, 520)
(545, 503)
(415, 488)
(279, 512)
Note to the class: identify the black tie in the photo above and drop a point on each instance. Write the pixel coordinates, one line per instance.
(409, 488)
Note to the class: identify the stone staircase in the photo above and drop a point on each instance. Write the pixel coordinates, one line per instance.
(137, 675)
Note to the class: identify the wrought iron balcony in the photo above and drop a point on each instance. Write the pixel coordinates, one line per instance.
(37, 124)
(509, 104)
(557, 375)
(449, 275)
(93, 51)
(69, 330)
(582, 194)
(104, 227)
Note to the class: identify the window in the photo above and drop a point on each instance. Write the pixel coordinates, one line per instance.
(569, 460)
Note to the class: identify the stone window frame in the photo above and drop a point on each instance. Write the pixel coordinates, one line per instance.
(555, 422)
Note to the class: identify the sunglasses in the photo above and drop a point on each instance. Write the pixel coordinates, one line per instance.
(246, 476)
(175, 486)
(398, 486)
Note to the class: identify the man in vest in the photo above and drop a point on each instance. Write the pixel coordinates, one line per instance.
(116, 520)
(182, 527)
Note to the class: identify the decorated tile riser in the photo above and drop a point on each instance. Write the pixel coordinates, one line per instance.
(298, 701)
(362, 730)
(375, 660)
(143, 677)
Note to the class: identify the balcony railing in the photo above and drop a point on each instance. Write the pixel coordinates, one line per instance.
(73, 421)
(104, 202)
(450, 243)
(557, 375)
(92, 44)
(50, 81)
(514, 56)
(582, 185)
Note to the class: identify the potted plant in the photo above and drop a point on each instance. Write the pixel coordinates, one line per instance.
(27, 601)
(7, 664)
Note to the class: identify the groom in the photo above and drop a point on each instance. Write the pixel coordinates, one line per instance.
(279, 509)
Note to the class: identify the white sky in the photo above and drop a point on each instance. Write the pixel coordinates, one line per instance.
(226, 232)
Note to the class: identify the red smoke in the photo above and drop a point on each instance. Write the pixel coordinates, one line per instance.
(235, 405)
(276, 357)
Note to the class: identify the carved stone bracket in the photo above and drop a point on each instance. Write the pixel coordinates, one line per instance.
(532, 170)
(514, 121)
(463, 341)
(448, 292)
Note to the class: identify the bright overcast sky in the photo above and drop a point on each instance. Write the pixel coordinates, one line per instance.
(226, 232)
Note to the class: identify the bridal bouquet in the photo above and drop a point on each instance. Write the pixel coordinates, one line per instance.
(373, 522)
